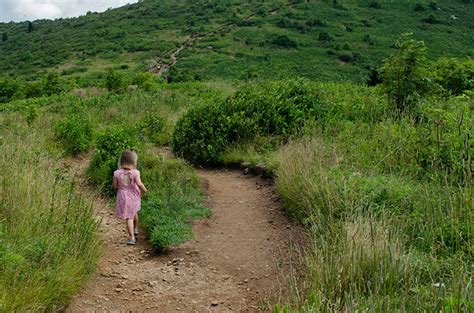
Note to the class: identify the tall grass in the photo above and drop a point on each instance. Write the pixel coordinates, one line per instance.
(173, 201)
(48, 234)
(379, 241)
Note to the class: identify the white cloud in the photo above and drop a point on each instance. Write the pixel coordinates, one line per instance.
(22, 10)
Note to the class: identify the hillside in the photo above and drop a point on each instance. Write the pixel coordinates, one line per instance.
(323, 40)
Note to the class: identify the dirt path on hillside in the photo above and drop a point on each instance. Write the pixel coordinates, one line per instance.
(237, 262)
(161, 68)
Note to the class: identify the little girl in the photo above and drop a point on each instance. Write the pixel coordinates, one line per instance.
(127, 181)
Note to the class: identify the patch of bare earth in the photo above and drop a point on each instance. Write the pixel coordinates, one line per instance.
(237, 262)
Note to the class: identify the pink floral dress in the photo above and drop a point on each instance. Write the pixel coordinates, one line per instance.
(128, 194)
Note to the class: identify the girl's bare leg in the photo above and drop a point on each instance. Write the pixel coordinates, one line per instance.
(135, 221)
(130, 228)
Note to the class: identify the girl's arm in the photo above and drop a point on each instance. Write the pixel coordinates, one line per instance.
(114, 183)
(140, 184)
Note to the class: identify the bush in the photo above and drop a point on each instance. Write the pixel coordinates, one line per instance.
(74, 132)
(145, 81)
(405, 75)
(419, 7)
(284, 41)
(375, 4)
(109, 145)
(453, 75)
(325, 37)
(204, 132)
(115, 81)
(151, 126)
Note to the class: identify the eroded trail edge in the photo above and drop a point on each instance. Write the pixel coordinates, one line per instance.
(238, 261)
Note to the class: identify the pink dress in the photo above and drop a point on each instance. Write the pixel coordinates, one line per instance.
(128, 194)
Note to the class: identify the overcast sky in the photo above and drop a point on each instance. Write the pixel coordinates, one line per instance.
(22, 10)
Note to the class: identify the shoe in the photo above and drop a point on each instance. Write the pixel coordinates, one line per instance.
(131, 242)
(135, 232)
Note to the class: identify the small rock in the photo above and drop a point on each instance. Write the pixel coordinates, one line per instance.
(118, 289)
(215, 303)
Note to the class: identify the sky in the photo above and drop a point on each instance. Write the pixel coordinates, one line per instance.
(22, 10)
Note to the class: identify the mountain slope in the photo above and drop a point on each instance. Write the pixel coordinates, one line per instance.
(327, 40)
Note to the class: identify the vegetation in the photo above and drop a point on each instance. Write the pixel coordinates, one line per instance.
(380, 176)
(241, 39)
(48, 234)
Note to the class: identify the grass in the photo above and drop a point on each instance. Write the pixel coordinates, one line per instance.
(174, 200)
(48, 234)
(378, 242)
(240, 33)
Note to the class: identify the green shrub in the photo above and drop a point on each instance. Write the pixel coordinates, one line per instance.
(145, 81)
(284, 41)
(74, 132)
(115, 81)
(109, 144)
(454, 75)
(152, 126)
(203, 133)
(405, 75)
(325, 37)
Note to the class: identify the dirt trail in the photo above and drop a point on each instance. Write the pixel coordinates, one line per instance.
(237, 262)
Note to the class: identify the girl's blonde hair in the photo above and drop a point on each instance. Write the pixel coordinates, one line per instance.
(128, 157)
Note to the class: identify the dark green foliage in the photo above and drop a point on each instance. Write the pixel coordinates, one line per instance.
(419, 7)
(30, 26)
(316, 22)
(375, 4)
(4, 37)
(431, 19)
(151, 126)
(141, 34)
(284, 41)
(115, 81)
(145, 81)
(74, 132)
(8, 89)
(454, 75)
(109, 144)
(405, 75)
(325, 36)
(205, 131)
(53, 84)
(433, 5)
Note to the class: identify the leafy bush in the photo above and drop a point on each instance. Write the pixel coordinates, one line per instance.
(115, 81)
(204, 132)
(325, 36)
(453, 75)
(375, 4)
(109, 144)
(284, 41)
(405, 76)
(145, 81)
(74, 132)
(151, 126)
(419, 7)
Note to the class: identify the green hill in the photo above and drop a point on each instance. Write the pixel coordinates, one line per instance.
(233, 39)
